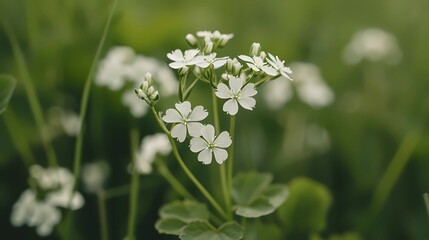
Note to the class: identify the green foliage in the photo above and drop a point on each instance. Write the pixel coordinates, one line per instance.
(345, 236)
(202, 230)
(7, 86)
(256, 230)
(305, 210)
(254, 196)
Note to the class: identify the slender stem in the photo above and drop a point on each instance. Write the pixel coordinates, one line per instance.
(191, 176)
(393, 172)
(134, 188)
(32, 97)
(222, 170)
(426, 198)
(165, 172)
(102, 214)
(230, 160)
(20, 143)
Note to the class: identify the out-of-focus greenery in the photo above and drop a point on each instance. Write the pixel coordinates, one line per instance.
(366, 127)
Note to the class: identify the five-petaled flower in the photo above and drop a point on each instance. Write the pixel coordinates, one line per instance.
(237, 94)
(212, 60)
(186, 119)
(279, 66)
(209, 144)
(257, 64)
(184, 60)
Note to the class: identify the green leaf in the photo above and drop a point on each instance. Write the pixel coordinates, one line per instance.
(187, 211)
(202, 230)
(346, 236)
(305, 210)
(170, 226)
(254, 195)
(246, 187)
(257, 230)
(7, 86)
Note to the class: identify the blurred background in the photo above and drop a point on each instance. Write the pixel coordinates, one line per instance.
(375, 118)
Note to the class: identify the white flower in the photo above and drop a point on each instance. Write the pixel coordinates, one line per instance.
(372, 44)
(113, 69)
(209, 144)
(276, 93)
(137, 108)
(40, 214)
(212, 60)
(257, 64)
(150, 146)
(216, 37)
(189, 58)
(94, 175)
(279, 66)
(237, 94)
(70, 122)
(186, 120)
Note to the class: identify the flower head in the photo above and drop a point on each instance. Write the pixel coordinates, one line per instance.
(186, 119)
(184, 60)
(151, 146)
(279, 66)
(94, 175)
(257, 64)
(209, 145)
(237, 94)
(146, 91)
(211, 60)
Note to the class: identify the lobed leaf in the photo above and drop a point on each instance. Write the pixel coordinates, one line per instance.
(202, 230)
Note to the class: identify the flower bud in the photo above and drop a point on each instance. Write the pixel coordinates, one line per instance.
(263, 55)
(233, 66)
(208, 48)
(146, 91)
(224, 39)
(255, 49)
(191, 40)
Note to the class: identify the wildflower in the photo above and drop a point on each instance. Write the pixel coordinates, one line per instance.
(277, 93)
(70, 121)
(216, 37)
(151, 146)
(94, 175)
(209, 144)
(191, 40)
(146, 91)
(135, 105)
(211, 60)
(279, 66)
(372, 44)
(255, 49)
(257, 64)
(184, 60)
(186, 120)
(237, 94)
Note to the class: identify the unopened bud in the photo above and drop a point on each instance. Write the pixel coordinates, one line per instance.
(233, 66)
(191, 40)
(255, 49)
(224, 39)
(263, 55)
(208, 48)
(146, 91)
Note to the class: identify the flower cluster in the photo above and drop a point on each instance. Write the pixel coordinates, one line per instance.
(123, 67)
(37, 206)
(150, 147)
(146, 91)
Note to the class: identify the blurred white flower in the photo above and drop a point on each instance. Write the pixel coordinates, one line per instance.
(151, 146)
(94, 175)
(372, 44)
(309, 85)
(186, 119)
(257, 64)
(40, 214)
(216, 37)
(182, 60)
(237, 94)
(51, 187)
(209, 144)
(279, 66)
(137, 107)
(113, 69)
(70, 122)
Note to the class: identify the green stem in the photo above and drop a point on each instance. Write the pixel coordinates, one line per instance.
(392, 173)
(32, 97)
(165, 172)
(426, 198)
(222, 170)
(134, 188)
(102, 215)
(230, 160)
(182, 164)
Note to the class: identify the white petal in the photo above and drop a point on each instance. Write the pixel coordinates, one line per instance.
(194, 129)
(205, 156)
(198, 114)
(219, 63)
(231, 107)
(172, 116)
(179, 132)
(269, 70)
(177, 65)
(248, 90)
(208, 133)
(223, 140)
(191, 53)
(253, 67)
(223, 91)
(247, 102)
(176, 55)
(235, 84)
(220, 155)
(184, 108)
(196, 60)
(203, 64)
(245, 58)
(197, 144)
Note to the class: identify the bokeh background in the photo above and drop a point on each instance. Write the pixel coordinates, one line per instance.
(378, 110)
